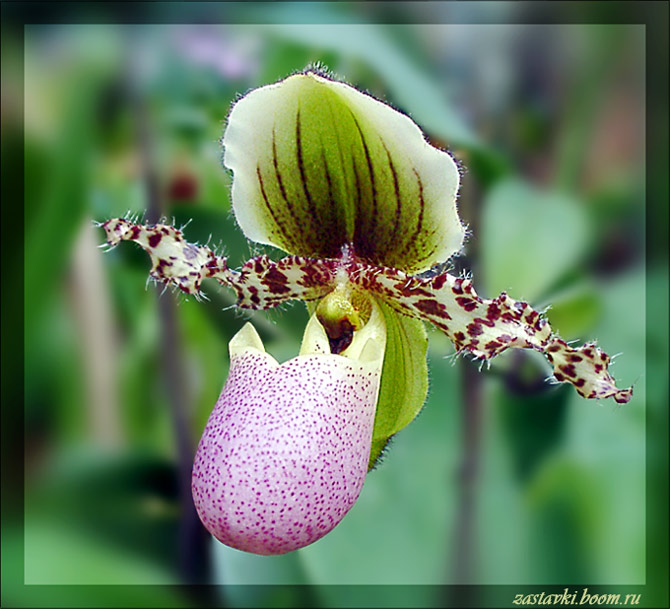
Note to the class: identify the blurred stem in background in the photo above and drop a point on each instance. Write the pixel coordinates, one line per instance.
(193, 540)
(465, 544)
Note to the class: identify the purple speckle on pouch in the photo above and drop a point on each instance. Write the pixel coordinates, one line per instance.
(285, 452)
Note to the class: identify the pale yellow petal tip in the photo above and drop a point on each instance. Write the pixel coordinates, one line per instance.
(246, 338)
(315, 340)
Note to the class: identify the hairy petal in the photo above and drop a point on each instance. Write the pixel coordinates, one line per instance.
(404, 377)
(174, 260)
(318, 165)
(260, 284)
(486, 328)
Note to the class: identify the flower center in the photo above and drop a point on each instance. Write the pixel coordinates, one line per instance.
(341, 313)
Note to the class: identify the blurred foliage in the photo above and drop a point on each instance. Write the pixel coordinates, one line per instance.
(548, 122)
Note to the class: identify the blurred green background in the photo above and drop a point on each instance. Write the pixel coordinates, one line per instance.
(503, 478)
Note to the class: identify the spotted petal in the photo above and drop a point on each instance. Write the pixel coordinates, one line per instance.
(260, 284)
(486, 328)
(318, 165)
(285, 452)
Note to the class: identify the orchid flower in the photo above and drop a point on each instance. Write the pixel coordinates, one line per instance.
(364, 206)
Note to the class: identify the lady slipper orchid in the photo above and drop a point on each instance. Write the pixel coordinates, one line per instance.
(363, 205)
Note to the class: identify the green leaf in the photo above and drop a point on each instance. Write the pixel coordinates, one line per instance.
(62, 555)
(566, 522)
(53, 223)
(533, 420)
(404, 383)
(529, 238)
(575, 312)
(102, 519)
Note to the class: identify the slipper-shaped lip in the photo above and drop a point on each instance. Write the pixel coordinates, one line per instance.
(285, 452)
